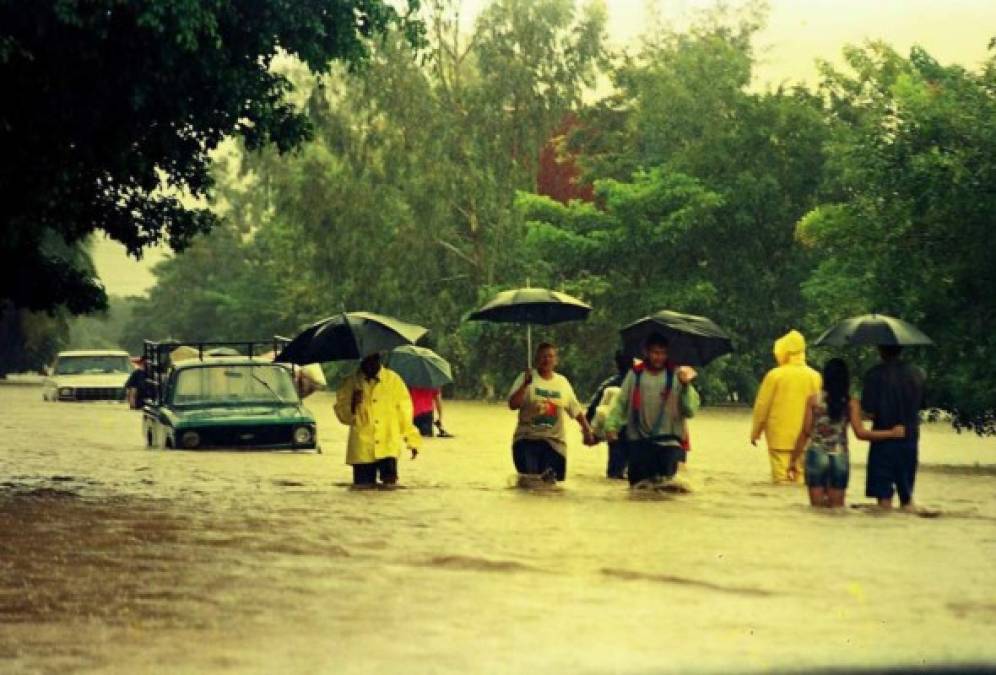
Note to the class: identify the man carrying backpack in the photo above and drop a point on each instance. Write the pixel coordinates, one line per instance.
(654, 404)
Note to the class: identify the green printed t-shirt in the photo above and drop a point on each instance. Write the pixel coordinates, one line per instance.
(541, 416)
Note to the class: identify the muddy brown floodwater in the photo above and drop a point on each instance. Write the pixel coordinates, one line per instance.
(119, 559)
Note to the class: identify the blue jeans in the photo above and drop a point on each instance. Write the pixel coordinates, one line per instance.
(827, 469)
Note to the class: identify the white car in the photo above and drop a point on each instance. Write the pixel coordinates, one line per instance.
(90, 375)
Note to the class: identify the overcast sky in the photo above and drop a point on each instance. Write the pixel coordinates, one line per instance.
(798, 33)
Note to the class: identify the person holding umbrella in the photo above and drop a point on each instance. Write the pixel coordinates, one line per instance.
(543, 397)
(892, 394)
(654, 404)
(375, 403)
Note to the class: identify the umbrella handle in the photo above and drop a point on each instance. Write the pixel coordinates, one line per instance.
(529, 346)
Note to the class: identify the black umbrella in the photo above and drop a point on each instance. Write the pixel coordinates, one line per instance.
(873, 329)
(420, 367)
(532, 305)
(350, 335)
(692, 340)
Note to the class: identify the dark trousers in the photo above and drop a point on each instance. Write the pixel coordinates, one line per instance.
(423, 423)
(891, 469)
(618, 459)
(366, 474)
(649, 460)
(535, 457)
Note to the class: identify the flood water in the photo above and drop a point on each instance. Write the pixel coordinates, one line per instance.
(119, 559)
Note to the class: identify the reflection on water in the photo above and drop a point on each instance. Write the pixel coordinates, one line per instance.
(114, 558)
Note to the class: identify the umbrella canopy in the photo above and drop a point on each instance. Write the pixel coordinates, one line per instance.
(350, 335)
(532, 306)
(420, 367)
(873, 329)
(692, 340)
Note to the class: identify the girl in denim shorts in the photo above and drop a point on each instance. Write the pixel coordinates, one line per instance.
(824, 436)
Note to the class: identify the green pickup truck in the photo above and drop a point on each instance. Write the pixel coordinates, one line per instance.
(226, 402)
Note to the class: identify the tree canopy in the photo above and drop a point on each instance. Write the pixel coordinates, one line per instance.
(114, 107)
(418, 195)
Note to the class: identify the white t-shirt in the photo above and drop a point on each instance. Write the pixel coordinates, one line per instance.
(541, 416)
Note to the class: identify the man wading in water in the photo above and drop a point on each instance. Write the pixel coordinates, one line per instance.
(654, 404)
(539, 446)
(375, 403)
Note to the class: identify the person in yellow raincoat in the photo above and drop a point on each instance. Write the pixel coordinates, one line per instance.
(375, 403)
(781, 404)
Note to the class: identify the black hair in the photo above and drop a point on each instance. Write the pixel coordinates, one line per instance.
(889, 352)
(655, 340)
(623, 362)
(837, 385)
(544, 346)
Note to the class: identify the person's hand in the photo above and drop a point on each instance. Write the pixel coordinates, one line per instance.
(792, 472)
(414, 451)
(527, 378)
(686, 374)
(754, 440)
(589, 438)
(899, 431)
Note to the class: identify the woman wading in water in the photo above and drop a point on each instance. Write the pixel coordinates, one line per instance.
(824, 431)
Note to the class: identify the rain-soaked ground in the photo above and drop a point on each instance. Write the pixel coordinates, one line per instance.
(114, 558)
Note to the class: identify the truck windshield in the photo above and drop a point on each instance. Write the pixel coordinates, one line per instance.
(79, 365)
(234, 384)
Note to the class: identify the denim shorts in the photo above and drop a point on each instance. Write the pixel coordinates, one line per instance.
(827, 469)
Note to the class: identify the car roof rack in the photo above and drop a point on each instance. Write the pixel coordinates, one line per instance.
(157, 360)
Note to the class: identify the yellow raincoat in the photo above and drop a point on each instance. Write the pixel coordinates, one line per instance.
(382, 420)
(781, 402)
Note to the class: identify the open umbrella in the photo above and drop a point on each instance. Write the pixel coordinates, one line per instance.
(420, 367)
(873, 329)
(532, 306)
(350, 335)
(692, 340)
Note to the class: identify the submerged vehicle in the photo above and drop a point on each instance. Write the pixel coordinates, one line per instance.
(214, 398)
(87, 375)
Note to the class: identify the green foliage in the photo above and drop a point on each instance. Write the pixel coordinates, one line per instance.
(402, 201)
(910, 233)
(105, 330)
(119, 105)
(706, 181)
(29, 341)
(762, 210)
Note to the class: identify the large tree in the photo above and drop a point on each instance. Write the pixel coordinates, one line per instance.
(910, 230)
(702, 181)
(112, 108)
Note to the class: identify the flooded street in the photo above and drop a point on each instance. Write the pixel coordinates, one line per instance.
(118, 559)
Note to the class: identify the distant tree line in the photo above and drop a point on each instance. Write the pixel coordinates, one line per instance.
(417, 193)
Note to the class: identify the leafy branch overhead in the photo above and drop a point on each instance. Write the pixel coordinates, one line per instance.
(115, 107)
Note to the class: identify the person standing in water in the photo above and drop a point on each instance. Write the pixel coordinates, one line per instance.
(654, 404)
(427, 405)
(824, 436)
(375, 403)
(781, 401)
(893, 394)
(543, 399)
(618, 456)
